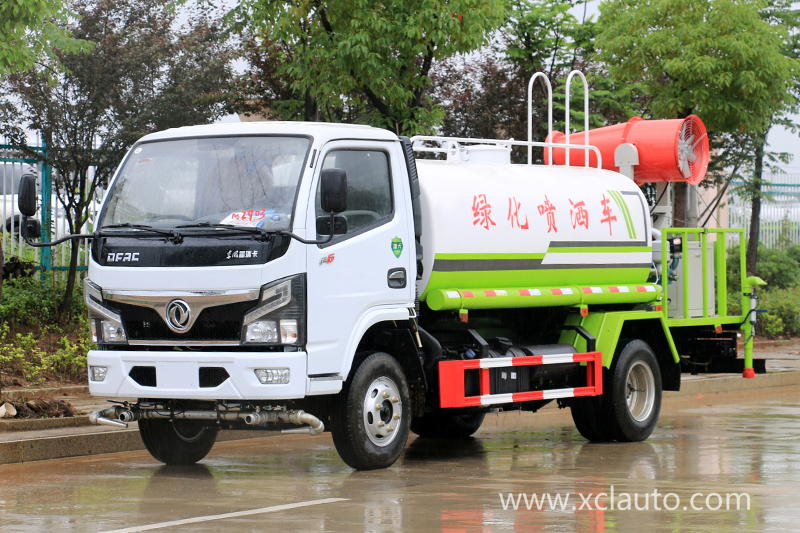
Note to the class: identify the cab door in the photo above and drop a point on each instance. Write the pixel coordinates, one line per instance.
(372, 265)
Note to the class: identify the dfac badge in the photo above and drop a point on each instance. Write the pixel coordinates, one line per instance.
(397, 246)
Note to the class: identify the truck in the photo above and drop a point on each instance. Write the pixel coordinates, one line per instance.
(310, 277)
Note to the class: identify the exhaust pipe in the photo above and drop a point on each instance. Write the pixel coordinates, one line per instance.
(314, 426)
(104, 417)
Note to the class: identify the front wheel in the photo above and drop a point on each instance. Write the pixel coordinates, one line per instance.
(179, 442)
(371, 415)
(633, 399)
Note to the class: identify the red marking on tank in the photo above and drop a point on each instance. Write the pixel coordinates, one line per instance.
(578, 214)
(490, 293)
(481, 209)
(547, 208)
(556, 292)
(524, 292)
(641, 289)
(607, 213)
(513, 213)
(587, 290)
(467, 294)
(614, 289)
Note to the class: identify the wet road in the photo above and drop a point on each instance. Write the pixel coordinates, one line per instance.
(703, 450)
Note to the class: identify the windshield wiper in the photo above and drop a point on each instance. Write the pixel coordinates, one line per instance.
(230, 227)
(176, 237)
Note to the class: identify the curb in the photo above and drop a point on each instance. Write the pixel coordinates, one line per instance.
(113, 441)
(35, 424)
(125, 440)
(72, 390)
(735, 383)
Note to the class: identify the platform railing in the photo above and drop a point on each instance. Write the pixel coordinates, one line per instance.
(497, 142)
(720, 267)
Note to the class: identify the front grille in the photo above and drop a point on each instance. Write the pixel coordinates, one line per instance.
(144, 375)
(220, 323)
(212, 376)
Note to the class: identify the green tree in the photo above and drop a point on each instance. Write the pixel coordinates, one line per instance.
(141, 76)
(485, 95)
(724, 61)
(346, 52)
(30, 31)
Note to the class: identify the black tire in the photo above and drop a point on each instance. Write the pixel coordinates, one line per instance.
(182, 442)
(632, 393)
(588, 413)
(439, 425)
(356, 432)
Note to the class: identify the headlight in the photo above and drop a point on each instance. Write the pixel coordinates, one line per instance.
(280, 317)
(261, 331)
(106, 324)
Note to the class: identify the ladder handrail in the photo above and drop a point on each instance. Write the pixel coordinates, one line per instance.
(549, 113)
(585, 114)
(500, 142)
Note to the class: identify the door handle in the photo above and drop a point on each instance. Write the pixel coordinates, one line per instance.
(396, 278)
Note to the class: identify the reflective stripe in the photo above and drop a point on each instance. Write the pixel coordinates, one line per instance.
(501, 362)
(557, 358)
(558, 393)
(497, 363)
(490, 399)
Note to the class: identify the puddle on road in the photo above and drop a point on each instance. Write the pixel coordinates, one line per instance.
(722, 449)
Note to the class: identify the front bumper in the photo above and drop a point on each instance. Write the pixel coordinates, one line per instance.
(177, 375)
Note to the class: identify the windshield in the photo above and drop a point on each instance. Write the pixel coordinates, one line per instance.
(243, 181)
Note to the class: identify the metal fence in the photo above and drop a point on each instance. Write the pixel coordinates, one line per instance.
(780, 212)
(13, 166)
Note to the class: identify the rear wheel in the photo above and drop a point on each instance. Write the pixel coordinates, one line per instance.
(179, 442)
(630, 405)
(589, 417)
(371, 414)
(444, 426)
(633, 400)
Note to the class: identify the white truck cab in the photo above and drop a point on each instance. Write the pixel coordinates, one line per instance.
(200, 288)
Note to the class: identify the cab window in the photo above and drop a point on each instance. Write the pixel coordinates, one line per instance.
(369, 186)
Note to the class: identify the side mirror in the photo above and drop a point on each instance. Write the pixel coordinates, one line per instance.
(333, 190)
(324, 225)
(27, 195)
(30, 229)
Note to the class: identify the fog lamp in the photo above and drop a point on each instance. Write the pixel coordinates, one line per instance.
(271, 376)
(98, 373)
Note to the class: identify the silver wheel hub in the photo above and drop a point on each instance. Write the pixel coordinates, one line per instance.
(383, 411)
(641, 391)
